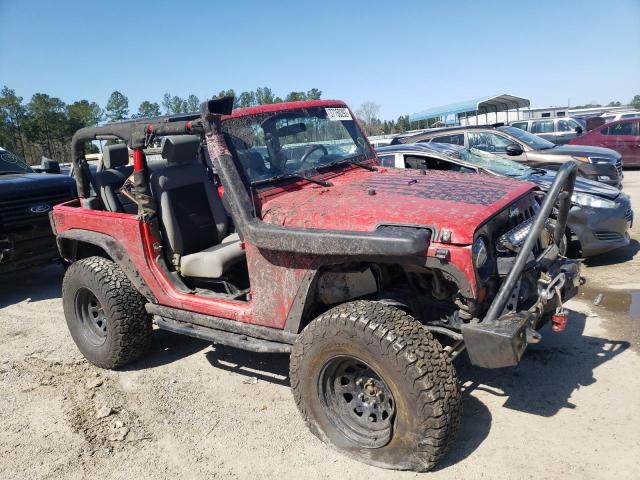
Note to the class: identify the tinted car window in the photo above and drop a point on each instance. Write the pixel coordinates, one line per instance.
(457, 139)
(628, 128)
(533, 141)
(543, 126)
(429, 163)
(629, 115)
(520, 125)
(567, 125)
(488, 142)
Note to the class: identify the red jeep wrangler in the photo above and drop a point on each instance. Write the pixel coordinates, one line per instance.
(274, 229)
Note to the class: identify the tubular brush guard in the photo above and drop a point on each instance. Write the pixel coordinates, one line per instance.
(499, 340)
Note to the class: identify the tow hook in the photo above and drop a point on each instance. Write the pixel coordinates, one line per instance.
(559, 320)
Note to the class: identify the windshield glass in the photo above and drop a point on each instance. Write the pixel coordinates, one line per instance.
(11, 163)
(290, 142)
(533, 141)
(494, 163)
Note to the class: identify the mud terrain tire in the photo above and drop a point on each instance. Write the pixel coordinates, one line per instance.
(105, 314)
(394, 351)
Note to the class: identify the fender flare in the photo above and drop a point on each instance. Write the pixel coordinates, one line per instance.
(68, 240)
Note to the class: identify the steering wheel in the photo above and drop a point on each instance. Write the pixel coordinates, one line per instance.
(306, 155)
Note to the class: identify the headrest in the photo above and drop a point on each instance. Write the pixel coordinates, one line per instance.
(114, 156)
(180, 148)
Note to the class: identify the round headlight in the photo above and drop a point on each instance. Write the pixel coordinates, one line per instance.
(479, 250)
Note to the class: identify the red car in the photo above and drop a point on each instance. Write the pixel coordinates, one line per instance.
(373, 279)
(622, 136)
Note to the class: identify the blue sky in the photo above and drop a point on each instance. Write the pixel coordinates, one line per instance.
(404, 55)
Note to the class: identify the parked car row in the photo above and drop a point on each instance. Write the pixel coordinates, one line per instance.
(617, 131)
(558, 130)
(594, 163)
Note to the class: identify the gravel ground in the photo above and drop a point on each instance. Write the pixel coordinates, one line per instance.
(190, 410)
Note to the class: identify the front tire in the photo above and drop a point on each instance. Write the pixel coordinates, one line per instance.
(105, 313)
(374, 383)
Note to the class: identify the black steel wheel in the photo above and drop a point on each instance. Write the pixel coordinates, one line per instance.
(104, 312)
(91, 316)
(357, 400)
(373, 383)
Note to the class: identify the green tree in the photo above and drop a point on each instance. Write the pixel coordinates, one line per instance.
(47, 124)
(12, 117)
(614, 104)
(635, 102)
(117, 107)
(314, 94)
(264, 96)
(295, 96)
(148, 109)
(83, 114)
(192, 104)
(226, 93)
(173, 105)
(246, 99)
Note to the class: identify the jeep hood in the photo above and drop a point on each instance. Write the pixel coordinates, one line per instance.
(360, 200)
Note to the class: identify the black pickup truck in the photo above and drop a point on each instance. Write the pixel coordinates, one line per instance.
(26, 197)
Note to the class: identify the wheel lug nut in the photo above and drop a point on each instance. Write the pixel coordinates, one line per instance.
(361, 396)
(359, 382)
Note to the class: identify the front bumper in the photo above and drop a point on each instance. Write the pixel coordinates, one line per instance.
(601, 230)
(501, 342)
(27, 248)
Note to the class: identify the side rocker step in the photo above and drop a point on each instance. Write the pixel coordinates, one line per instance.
(236, 340)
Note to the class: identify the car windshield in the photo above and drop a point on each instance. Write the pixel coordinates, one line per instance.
(533, 141)
(11, 163)
(494, 163)
(288, 143)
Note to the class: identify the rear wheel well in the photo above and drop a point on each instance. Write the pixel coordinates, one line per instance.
(73, 250)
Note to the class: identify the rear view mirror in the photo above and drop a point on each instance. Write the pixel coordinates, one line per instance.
(513, 150)
(579, 130)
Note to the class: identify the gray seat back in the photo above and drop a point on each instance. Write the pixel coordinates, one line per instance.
(193, 218)
(109, 180)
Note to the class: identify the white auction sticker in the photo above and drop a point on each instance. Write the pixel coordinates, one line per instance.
(337, 114)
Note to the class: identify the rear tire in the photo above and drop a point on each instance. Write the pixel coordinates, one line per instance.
(105, 313)
(372, 382)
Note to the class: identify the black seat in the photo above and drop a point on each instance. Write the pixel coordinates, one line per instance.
(109, 180)
(194, 222)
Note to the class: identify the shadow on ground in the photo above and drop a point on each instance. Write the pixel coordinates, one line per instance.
(549, 371)
(41, 283)
(266, 367)
(167, 347)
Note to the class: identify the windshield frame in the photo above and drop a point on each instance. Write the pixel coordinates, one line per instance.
(531, 140)
(257, 130)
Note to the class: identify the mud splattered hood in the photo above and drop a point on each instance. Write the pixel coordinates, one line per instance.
(360, 200)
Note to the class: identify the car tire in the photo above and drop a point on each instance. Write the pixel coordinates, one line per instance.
(363, 360)
(105, 314)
